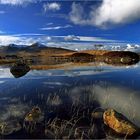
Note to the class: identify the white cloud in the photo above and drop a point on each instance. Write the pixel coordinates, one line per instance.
(2, 12)
(16, 2)
(48, 38)
(1, 32)
(29, 34)
(77, 14)
(117, 11)
(7, 39)
(109, 12)
(50, 23)
(56, 27)
(86, 39)
(24, 39)
(51, 6)
(82, 39)
(96, 39)
(19, 40)
(71, 38)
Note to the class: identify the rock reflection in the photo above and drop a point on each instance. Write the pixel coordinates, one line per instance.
(19, 69)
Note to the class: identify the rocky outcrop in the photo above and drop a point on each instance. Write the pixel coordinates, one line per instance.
(118, 122)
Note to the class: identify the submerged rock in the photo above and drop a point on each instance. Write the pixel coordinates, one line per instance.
(33, 121)
(118, 122)
(35, 115)
(97, 114)
(19, 69)
(7, 128)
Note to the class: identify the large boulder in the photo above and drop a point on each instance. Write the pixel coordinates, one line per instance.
(119, 123)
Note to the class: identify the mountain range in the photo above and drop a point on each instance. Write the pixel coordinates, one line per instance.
(37, 47)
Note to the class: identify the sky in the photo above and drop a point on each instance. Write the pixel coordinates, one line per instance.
(69, 22)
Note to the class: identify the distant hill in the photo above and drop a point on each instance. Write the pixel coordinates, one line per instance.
(36, 47)
(9, 48)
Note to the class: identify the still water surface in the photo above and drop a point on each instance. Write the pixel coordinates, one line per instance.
(108, 86)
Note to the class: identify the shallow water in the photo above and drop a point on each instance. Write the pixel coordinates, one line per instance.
(101, 86)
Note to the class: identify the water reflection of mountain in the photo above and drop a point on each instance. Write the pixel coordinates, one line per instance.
(114, 58)
(43, 65)
(19, 69)
(121, 58)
